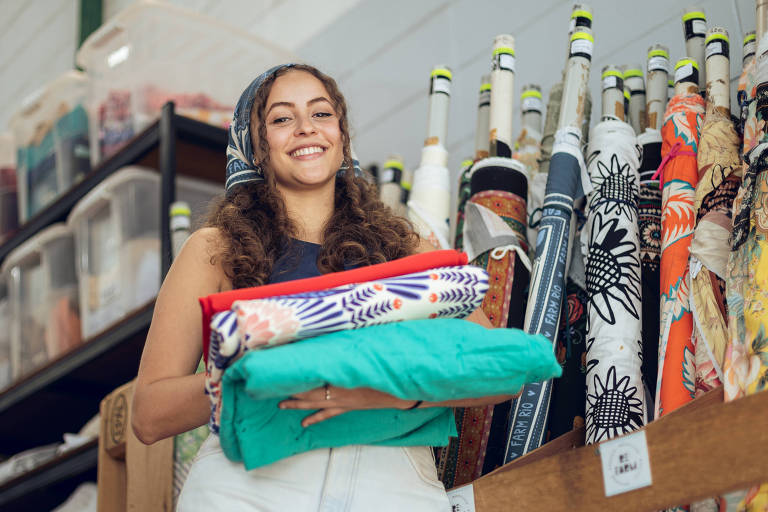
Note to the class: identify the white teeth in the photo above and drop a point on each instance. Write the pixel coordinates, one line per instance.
(307, 151)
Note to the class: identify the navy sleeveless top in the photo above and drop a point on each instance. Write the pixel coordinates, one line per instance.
(298, 262)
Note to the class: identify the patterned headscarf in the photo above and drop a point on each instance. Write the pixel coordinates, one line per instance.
(241, 167)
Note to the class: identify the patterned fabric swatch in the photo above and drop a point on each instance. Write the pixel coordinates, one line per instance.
(615, 394)
(719, 178)
(479, 447)
(649, 218)
(449, 292)
(464, 193)
(682, 126)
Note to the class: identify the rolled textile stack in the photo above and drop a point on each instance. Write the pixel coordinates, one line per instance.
(633, 78)
(494, 239)
(529, 141)
(389, 183)
(567, 176)
(613, 93)
(749, 48)
(429, 202)
(481, 151)
(615, 395)
(649, 214)
(719, 179)
(745, 369)
(678, 174)
(695, 32)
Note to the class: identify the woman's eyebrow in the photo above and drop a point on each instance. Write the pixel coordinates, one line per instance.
(291, 105)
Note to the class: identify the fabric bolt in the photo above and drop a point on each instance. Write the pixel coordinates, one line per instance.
(719, 177)
(223, 301)
(406, 359)
(615, 393)
(649, 219)
(744, 97)
(679, 175)
(447, 292)
(324, 480)
(529, 154)
(548, 280)
(429, 203)
(241, 164)
(567, 410)
(464, 193)
(495, 238)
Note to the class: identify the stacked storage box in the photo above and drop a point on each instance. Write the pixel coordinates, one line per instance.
(151, 53)
(117, 233)
(51, 136)
(8, 205)
(42, 289)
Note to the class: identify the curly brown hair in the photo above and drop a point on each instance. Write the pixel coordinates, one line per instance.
(255, 226)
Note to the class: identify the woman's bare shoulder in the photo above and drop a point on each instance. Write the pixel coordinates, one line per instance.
(425, 246)
(200, 259)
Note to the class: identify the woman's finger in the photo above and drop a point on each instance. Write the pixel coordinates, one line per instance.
(296, 403)
(322, 415)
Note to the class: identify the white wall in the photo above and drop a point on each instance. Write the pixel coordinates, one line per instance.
(381, 52)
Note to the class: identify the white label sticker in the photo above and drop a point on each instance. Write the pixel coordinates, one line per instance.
(683, 71)
(572, 25)
(462, 499)
(581, 46)
(507, 61)
(533, 103)
(658, 63)
(750, 47)
(610, 82)
(713, 48)
(441, 84)
(699, 27)
(387, 176)
(626, 464)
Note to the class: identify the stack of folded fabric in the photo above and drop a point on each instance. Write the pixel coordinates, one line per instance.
(392, 327)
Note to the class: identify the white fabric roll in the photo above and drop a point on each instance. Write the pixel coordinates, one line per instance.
(615, 399)
(429, 205)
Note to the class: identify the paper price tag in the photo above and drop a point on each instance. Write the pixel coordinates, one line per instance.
(462, 499)
(683, 71)
(532, 103)
(658, 63)
(441, 84)
(507, 61)
(626, 464)
(581, 46)
(699, 27)
(609, 82)
(713, 48)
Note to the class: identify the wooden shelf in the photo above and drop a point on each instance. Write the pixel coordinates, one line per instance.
(703, 449)
(47, 486)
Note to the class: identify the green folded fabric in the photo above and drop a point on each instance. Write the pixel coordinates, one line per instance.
(431, 360)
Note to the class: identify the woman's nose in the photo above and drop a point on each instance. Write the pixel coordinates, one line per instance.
(304, 125)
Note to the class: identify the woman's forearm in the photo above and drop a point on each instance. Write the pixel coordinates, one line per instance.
(169, 407)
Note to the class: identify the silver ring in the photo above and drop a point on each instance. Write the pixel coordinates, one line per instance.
(327, 392)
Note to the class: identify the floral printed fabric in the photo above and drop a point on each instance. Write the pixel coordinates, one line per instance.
(448, 292)
(680, 134)
(719, 177)
(615, 394)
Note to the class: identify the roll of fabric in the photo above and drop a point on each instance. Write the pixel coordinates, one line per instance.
(463, 197)
(495, 240)
(649, 219)
(429, 203)
(448, 292)
(719, 178)
(389, 183)
(678, 174)
(615, 394)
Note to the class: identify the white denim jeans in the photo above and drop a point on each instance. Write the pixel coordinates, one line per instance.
(351, 478)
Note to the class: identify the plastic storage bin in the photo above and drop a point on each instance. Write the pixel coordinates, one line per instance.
(8, 205)
(6, 367)
(117, 238)
(151, 53)
(42, 289)
(51, 135)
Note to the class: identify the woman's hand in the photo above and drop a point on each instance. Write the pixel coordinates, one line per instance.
(333, 401)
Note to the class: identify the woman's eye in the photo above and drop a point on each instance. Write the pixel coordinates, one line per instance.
(280, 120)
(323, 114)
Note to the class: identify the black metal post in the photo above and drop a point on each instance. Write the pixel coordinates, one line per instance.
(167, 183)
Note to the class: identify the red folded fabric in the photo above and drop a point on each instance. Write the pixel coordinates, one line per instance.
(218, 302)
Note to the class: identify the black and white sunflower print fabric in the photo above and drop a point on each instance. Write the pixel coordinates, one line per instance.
(615, 396)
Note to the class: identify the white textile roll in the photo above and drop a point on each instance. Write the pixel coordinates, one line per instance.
(429, 204)
(615, 397)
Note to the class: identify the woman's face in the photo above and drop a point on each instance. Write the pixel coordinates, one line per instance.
(305, 145)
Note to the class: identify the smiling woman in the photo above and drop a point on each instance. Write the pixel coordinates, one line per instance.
(295, 207)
